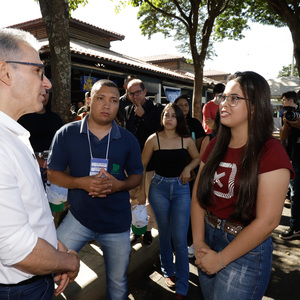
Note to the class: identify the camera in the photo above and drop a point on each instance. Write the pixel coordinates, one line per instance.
(292, 115)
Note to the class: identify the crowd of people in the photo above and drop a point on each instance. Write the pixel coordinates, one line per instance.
(224, 180)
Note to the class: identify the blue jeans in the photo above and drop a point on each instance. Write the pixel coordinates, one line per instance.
(42, 289)
(295, 199)
(116, 249)
(171, 203)
(246, 278)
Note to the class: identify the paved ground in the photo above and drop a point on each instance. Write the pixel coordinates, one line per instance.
(145, 281)
(284, 283)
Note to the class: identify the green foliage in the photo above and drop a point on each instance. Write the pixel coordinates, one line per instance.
(171, 18)
(261, 12)
(232, 22)
(153, 21)
(121, 5)
(73, 4)
(287, 71)
(176, 21)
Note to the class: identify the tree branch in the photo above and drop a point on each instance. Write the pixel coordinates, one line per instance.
(166, 13)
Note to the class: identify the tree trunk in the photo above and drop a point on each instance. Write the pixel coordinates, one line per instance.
(55, 14)
(197, 95)
(199, 60)
(214, 9)
(291, 18)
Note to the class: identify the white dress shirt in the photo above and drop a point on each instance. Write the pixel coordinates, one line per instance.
(25, 214)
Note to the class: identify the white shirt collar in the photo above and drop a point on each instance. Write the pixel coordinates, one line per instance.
(12, 125)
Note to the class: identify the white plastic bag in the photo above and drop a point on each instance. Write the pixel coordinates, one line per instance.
(56, 194)
(139, 219)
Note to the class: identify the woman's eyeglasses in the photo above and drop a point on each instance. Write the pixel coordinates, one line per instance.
(232, 100)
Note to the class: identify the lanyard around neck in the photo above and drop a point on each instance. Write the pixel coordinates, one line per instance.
(108, 142)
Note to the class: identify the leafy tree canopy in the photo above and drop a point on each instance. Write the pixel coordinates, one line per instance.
(287, 71)
(166, 17)
(73, 4)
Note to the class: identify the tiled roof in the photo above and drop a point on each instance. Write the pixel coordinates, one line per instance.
(169, 57)
(215, 73)
(121, 37)
(102, 53)
(162, 57)
(111, 56)
(119, 58)
(74, 23)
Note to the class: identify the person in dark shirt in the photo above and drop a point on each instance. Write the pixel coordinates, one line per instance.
(104, 162)
(194, 125)
(142, 118)
(42, 127)
(124, 101)
(290, 135)
(84, 110)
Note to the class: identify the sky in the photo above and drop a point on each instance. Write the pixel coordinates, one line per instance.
(265, 49)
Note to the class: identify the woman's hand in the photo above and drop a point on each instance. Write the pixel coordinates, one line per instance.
(185, 175)
(197, 249)
(208, 260)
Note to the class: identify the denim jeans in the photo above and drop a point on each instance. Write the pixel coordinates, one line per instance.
(246, 278)
(171, 204)
(295, 199)
(42, 289)
(116, 249)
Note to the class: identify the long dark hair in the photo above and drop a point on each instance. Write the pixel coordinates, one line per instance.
(260, 128)
(181, 127)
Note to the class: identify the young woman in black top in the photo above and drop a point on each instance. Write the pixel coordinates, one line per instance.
(169, 193)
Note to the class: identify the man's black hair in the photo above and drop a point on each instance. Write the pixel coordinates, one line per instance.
(291, 95)
(219, 88)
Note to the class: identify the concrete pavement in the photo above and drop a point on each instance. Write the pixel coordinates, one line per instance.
(90, 282)
(146, 282)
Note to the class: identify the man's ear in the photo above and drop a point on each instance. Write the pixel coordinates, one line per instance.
(5, 75)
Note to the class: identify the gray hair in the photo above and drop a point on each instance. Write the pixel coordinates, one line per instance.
(11, 40)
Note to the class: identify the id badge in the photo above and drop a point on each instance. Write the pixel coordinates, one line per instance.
(97, 164)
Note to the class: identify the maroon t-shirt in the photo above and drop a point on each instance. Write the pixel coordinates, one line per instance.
(226, 183)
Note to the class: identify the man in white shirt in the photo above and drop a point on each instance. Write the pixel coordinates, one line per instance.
(30, 254)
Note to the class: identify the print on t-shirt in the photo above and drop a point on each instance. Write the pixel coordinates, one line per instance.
(226, 175)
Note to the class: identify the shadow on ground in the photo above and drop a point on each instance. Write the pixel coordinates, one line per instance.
(284, 282)
(153, 286)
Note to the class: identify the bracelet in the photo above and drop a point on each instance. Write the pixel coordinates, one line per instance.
(45, 164)
(220, 260)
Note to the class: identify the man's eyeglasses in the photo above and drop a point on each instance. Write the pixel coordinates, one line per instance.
(137, 93)
(29, 64)
(232, 100)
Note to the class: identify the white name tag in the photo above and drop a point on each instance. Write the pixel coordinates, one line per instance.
(97, 164)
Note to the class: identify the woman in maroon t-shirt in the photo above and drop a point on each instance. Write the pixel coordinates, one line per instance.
(239, 194)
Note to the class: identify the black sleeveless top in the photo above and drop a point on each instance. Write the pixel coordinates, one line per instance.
(170, 162)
